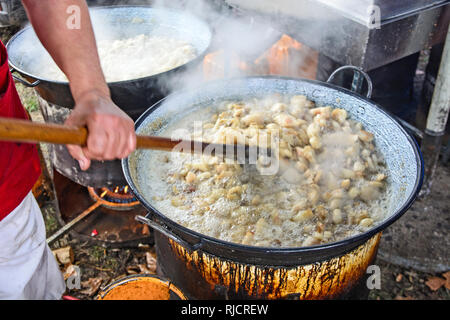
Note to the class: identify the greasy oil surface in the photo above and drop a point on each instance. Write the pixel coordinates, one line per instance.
(217, 220)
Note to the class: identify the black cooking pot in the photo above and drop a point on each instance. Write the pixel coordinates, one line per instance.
(28, 58)
(399, 149)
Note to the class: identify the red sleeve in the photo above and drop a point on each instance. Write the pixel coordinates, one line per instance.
(19, 162)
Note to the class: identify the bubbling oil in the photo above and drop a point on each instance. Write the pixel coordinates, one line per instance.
(334, 184)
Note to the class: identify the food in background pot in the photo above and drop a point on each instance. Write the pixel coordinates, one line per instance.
(136, 57)
(333, 182)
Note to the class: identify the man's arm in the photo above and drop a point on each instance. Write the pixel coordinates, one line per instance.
(111, 131)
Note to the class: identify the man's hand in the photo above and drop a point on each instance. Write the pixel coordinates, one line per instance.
(110, 130)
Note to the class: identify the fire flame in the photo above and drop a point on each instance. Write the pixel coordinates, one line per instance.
(286, 57)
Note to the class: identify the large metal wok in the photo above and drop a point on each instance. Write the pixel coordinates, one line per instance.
(28, 58)
(187, 254)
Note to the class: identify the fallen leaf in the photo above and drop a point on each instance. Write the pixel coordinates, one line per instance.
(434, 283)
(399, 277)
(69, 271)
(446, 275)
(133, 269)
(91, 286)
(151, 261)
(447, 279)
(145, 230)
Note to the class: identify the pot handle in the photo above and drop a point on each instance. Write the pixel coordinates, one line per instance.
(23, 81)
(167, 233)
(357, 82)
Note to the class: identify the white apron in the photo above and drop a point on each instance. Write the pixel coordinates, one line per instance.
(28, 269)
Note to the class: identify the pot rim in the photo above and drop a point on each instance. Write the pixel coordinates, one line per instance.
(137, 277)
(352, 241)
(198, 57)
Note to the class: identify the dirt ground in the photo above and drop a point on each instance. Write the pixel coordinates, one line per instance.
(100, 266)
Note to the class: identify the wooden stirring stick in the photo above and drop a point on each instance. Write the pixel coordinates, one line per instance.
(20, 130)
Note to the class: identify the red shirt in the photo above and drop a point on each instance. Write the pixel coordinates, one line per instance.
(19, 162)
